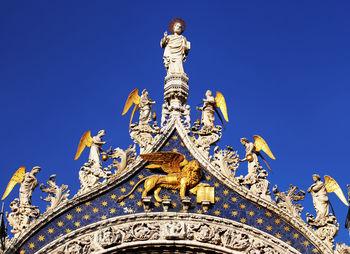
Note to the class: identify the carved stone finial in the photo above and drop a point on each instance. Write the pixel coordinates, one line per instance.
(56, 195)
(227, 161)
(288, 200)
(121, 159)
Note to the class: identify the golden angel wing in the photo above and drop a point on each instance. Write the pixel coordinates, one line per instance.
(332, 186)
(169, 162)
(133, 98)
(260, 144)
(86, 140)
(221, 103)
(16, 178)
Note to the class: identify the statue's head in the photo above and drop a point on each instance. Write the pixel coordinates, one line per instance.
(244, 141)
(316, 178)
(101, 133)
(208, 93)
(144, 92)
(177, 26)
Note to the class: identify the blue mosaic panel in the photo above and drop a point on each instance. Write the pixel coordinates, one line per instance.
(228, 205)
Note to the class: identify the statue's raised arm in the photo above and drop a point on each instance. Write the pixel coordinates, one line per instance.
(176, 47)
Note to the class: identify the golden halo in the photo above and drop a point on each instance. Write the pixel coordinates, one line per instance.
(175, 20)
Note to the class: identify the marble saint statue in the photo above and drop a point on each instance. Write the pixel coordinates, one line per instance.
(176, 48)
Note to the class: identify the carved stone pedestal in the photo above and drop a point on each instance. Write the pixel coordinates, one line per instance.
(176, 90)
(166, 204)
(146, 201)
(186, 202)
(205, 205)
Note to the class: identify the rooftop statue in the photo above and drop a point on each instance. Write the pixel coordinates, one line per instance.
(209, 134)
(209, 109)
(22, 209)
(325, 224)
(319, 190)
(95, 145)
(28, 183)
(141, 132)
(176, 47)
(252, 152)
(91, 172)
(142, 103)
(320, 198)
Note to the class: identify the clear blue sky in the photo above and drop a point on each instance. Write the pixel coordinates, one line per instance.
(283, 67)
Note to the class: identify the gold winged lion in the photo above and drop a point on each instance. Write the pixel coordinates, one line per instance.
(182, 174)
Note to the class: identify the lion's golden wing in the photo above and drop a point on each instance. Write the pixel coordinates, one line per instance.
(221, 103)
(133, 98)
(85, 141)
(332, 186)
(169, 162)
(260, 144)
(16, 178)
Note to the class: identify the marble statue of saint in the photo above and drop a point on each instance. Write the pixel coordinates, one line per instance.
(96, 148)
(27, 187)
(176, 48)
(145, 108)
(208, 111)
(320, 198)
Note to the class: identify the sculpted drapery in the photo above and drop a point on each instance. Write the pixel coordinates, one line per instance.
(176, 49)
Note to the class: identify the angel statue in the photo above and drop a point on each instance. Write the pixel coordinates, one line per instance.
(142, 103)
(28, 183)
(91, 172)
(210, 107)
(22, 209)
(95, 143)
(181, 175)
(252, 153)
(175, 46)
(319, 191)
